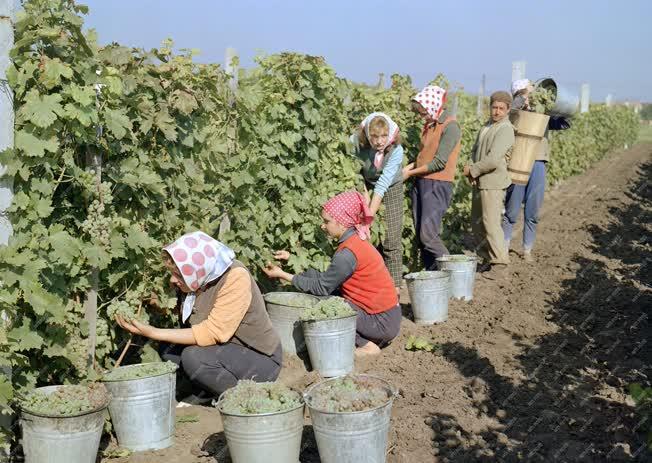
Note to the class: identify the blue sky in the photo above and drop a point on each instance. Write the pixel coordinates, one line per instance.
(605, 43)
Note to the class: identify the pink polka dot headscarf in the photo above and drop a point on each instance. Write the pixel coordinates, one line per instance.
(350, 209)
(200, 260)
(432, 98)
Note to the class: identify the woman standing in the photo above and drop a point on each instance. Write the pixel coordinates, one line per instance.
(378, 146)
(434, 170)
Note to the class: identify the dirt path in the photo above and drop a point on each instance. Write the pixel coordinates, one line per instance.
(536, 367)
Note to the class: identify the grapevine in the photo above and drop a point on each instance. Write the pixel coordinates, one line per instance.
(169, 164)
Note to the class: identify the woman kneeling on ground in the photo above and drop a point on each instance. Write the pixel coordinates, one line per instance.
(225, 332)
(356, 272)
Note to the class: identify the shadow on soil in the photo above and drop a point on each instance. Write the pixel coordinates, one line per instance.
(573, 406)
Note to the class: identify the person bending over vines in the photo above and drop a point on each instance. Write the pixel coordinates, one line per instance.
(225, 334)
(357, 272)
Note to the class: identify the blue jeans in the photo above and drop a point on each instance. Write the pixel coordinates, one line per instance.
(532, 196)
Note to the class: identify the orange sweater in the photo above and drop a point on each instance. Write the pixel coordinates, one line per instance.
(228, 311)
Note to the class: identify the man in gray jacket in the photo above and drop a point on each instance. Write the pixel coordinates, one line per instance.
(488, 174)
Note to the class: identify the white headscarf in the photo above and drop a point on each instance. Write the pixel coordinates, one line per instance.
(200, 260)
(391, 138)
(519, 85)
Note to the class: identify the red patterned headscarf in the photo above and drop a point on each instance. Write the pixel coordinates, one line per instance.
(432, 98)
(350, 209)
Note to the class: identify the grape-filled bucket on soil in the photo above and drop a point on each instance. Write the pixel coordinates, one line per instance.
(143, 405)
(462, 270)
(263, 422)
(351, 418)
(429, 294)
(52, 438)
(330, 340)
(284, 309)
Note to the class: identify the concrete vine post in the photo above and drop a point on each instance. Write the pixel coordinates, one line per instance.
(480, 107)
(231, 69)
(94, 165)
(6, 183)
(6, 115)
(585, 98)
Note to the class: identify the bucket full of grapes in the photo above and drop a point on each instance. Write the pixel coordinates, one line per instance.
(62, 424)
(263, 422)
(351, 418)
(284, 309)
(143, 404)
(329, 329)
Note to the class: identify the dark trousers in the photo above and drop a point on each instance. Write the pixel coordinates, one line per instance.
(378, 328)
(430, 200)
(214, 369)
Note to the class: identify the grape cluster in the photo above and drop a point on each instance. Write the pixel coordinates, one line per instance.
(251, 398)
(349, 394)
(97, 225)
(77, 353)
(127, 311)
(66, 400)
(144, 370)
(331, 307)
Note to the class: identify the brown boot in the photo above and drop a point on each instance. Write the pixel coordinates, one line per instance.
(527, 256)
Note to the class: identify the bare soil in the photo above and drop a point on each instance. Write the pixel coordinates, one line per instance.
(536, 367)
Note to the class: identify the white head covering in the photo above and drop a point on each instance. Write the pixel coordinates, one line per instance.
(393, 134)
(520, 84)
(200, 259)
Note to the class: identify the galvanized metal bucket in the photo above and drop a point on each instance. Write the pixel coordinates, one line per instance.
(331, 344)
(48, 439)
(567, 103)
(429, 294)
(462, 268)
(351, 437)
(143, 411)
(285, 319)
(263, 438)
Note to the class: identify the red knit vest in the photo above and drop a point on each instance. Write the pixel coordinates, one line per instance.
(370, 287)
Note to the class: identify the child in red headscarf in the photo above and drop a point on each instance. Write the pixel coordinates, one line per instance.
(356, 272)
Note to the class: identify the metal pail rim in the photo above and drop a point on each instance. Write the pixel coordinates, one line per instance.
(430, 275)
(316, 320)
(447, 258)
(315, 298)
(391, 389)
(135, 365)
(218, 405)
